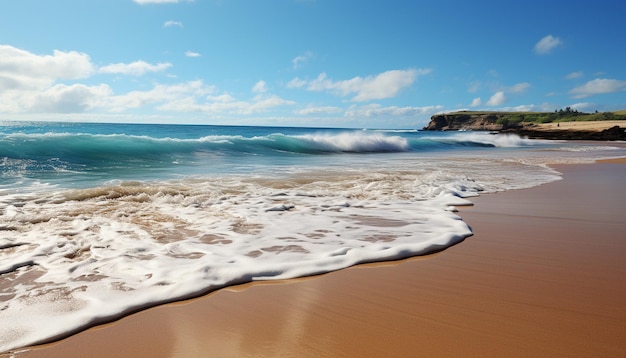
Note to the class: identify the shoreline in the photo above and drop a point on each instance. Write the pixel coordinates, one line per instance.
(557, 292)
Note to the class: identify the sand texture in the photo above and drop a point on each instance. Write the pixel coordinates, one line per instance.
(543, 276)
(580, 125)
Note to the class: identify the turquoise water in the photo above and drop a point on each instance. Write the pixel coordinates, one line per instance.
(80, 154)
(101, 219)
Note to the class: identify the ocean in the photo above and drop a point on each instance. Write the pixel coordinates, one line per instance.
(101, 220)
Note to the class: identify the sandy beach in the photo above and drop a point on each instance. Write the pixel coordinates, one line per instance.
(543, 275)
(580, 125)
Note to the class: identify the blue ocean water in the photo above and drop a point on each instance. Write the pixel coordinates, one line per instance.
(87, 154)
(101, 219)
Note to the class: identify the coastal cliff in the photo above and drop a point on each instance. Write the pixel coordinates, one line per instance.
(466, 121)
(564, 125)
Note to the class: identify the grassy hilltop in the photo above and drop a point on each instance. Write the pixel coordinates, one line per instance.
(608, 125)
(563, 115)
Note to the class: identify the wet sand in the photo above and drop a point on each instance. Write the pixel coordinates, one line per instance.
(542, 276)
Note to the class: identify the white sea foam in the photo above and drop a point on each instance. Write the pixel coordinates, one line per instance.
(137, 244)
(357, 142)
(497, 140)
(71, 258)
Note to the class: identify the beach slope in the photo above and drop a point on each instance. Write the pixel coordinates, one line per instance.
(543, 276)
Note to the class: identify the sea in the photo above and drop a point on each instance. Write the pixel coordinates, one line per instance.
(101, 220)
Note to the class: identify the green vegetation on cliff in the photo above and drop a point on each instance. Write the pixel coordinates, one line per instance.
(562, 115)
(525, 123)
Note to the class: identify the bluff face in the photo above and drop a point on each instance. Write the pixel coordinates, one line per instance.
(503, 122)
(466, 121)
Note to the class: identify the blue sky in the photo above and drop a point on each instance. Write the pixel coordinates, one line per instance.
(321, 63)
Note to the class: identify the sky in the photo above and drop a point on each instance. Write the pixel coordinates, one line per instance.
(314, 63)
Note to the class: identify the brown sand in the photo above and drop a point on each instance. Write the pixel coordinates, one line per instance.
(580, 125)
(544, 275)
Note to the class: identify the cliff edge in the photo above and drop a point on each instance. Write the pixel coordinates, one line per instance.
(466, 121)
(522, 124)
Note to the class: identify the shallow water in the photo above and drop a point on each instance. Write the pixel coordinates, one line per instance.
(98, 220)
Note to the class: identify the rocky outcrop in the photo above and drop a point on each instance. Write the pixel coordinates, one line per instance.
(501, 122)
(466, 121)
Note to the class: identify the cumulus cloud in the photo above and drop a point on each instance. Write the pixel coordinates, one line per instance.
(31, 83)
(192, 96)
(497, 99)
(296, 83)
(224, 104)
(582, 106)
(525, 108)
(260, 87)
(21, 69)
(171, 23)
(519, 88)
(136, 68)
(192, 54)
(376, 110)
(476, 102)
(318, 110)
(261, 104)
(474, 87)
(384, 85)
(573, 75)
(298, 61)
(598, 86)
(159, 94)
(547, 44)
(60, 98)
(75, 98)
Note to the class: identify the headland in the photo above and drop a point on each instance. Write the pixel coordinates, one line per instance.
(565, 124)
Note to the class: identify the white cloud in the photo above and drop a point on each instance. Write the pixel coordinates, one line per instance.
(547, 44)
(296, 83)
(319, 110)
(21, 70)
(474, 87)
(376, 110)
(31, 83)
(75, 98)
(476, 102)
(261, 104)
(519, 88)
(497, 99)
(171, 23)
(582, 106)
(598, 86)
(159, 94)
(221, 98)
(299, 60)
(260, 87)
(224, 104)
(383, 85)
(194, 96)
(544, 107)
(136, 68)
(59, 98)
(522, 108)
(192, 54)
(573, 75)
